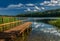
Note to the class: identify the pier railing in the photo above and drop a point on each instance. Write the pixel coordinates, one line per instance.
(16, 32)
(9, 22)
(12, 28)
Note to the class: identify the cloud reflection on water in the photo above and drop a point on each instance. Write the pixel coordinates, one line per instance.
(46, 28)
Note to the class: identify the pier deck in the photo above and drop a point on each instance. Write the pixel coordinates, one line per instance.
(20, 27)
(14, 32)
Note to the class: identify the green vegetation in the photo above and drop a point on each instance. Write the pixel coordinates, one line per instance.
(49, 13)
(7, 20)
(55, 22)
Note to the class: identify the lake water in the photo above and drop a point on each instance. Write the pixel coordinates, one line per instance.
(42, 31)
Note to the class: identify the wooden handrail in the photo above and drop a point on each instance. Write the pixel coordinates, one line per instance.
(10, 23)
(21, 27)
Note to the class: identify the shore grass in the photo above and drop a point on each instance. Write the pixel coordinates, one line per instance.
(8, 20)
(55, 22)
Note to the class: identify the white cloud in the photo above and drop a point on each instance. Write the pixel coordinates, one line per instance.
(31, 10)
(37, 8)
(28, 9)
(42, 8)
(32, 7)
(15, 6)
(54, 1)
(51, 3)
(41, 3)
(45, 3)
(30, 4)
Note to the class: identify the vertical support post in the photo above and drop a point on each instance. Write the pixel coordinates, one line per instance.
(13, 20)
(10, 21)
(8, 25)
(23, 36)
(27, 31)
(3, 22)
(16, 20)
(19, 20)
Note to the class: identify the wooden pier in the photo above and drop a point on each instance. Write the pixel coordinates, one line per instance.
(13, 33)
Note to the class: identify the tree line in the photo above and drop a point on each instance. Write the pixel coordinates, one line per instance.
(49, 13)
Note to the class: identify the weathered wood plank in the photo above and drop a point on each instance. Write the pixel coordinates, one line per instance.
(14, 32)
(21, 27)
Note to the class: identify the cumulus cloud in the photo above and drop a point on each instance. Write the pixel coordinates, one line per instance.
(37, 8)
(28, 9)
(30, 4)
(45, 3)
(32, 10)
(51, 3)
(15, 6)
(42, 8)
(19, 6)
(54, 1)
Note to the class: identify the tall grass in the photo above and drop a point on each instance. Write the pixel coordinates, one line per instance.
(7, 19)
(4, 20)
(55, 23)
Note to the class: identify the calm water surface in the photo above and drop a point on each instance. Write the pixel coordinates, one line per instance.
(42, 31)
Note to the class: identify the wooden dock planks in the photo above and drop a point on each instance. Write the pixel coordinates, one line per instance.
(21, 27)
(14, 32)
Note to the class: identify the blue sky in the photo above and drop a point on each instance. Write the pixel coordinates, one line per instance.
(14, 7)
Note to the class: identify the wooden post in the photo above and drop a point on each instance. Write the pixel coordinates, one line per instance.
(26, 31)
(13, 23)
(16, 23)
(3, 22)
(23, 35)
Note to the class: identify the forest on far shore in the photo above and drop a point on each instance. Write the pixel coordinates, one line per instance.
(48, 13)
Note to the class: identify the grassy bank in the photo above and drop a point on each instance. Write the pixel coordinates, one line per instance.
(4, 20)
(55, 22)
(7, 19)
